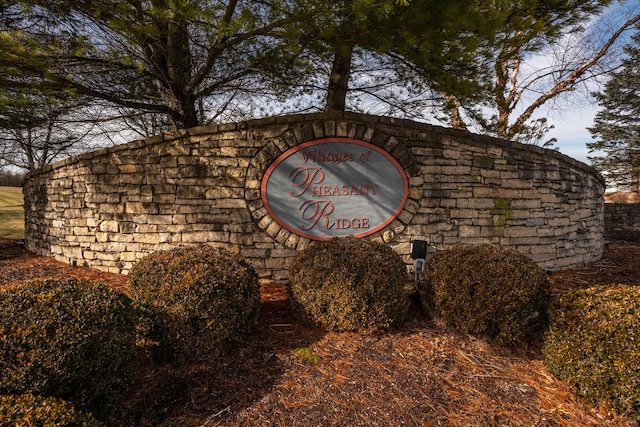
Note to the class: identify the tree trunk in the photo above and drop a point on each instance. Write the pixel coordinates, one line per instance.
(187, 116)
(635, 173)
(454, 107)
(339, 80)
(178, 59)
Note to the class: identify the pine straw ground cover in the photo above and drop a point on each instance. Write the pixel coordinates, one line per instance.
(290, 375)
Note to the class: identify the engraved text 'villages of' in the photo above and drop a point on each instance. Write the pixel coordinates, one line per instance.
(333, 188)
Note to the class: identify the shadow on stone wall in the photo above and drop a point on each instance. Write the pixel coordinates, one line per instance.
(622, 221)
(109, 208)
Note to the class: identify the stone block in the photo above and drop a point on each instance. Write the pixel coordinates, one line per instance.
(72, 252)
(466, 231)
(496, 192)
(520, 232)
(109, 226)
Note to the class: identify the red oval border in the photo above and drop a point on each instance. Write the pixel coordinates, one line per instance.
(297, 148)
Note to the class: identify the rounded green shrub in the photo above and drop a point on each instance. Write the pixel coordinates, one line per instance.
(34, 411)
(73, 339)
(593, 343)
(195, 299)
(487, 291)
(349, 284)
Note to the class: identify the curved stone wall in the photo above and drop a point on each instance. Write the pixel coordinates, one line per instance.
(109, 208)
(622, 221)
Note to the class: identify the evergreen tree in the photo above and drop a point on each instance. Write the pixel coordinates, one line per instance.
(183, 63)
(37, 129)
(616, 128)
(178, 58)
(383, 50)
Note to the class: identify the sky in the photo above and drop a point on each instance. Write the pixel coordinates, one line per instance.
(570, 129)
(572, 115)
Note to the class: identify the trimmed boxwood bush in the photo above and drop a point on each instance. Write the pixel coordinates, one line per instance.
(195, 300)
(593, 343)
(34, 411)
(487, 291)
(72, 339)
(349, 284)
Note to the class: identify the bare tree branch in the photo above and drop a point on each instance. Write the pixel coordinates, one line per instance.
(569, 82)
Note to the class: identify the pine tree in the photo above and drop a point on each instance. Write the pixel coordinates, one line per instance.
(182, 59)
(616, 127)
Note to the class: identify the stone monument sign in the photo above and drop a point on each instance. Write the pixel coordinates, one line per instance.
(334, 187)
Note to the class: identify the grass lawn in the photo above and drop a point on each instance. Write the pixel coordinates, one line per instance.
(11, 213)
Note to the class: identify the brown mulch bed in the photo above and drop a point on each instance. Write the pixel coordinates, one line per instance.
(17, 265)
(289, 375)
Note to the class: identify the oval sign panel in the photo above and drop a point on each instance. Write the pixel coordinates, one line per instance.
(334, 187)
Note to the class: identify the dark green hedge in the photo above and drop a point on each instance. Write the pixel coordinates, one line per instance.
(487, 291)
(195, 300)
(71, 339)
(34, 411)
(349, 284)
(593, 343)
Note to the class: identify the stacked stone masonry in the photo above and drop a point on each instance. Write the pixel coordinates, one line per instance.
(109, 208)
(622, 221)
